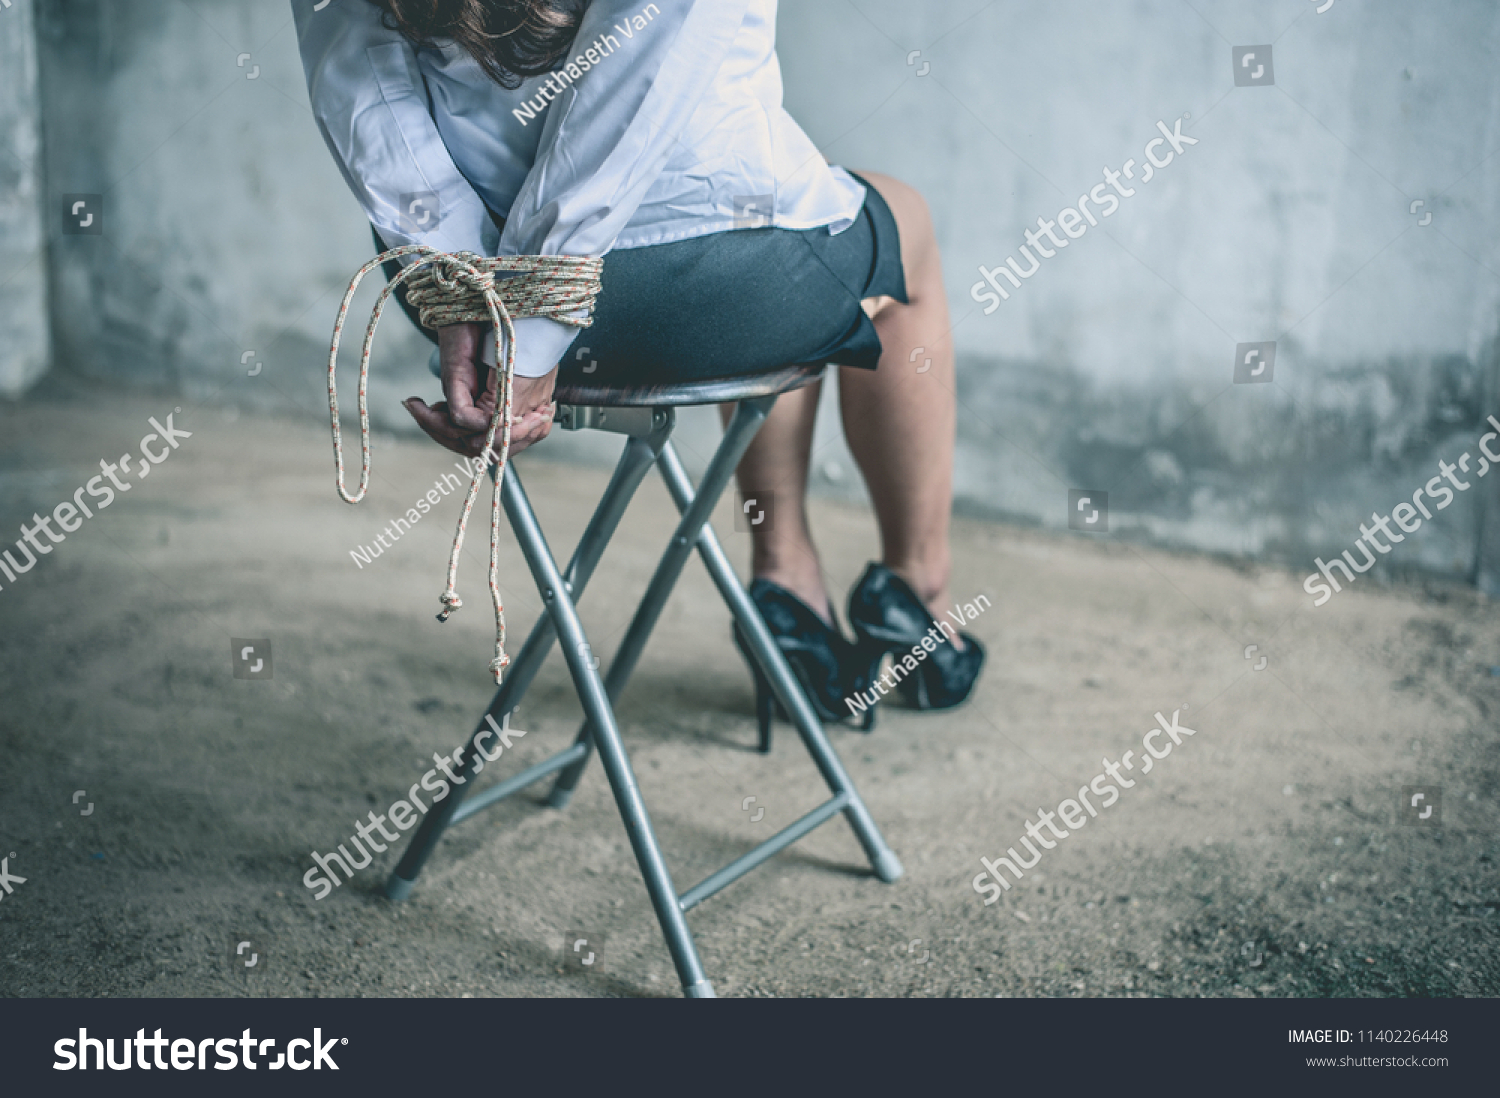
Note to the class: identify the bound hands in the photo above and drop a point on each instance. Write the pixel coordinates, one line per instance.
(462, 420)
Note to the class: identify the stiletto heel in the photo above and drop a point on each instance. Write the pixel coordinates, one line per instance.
(765, 703)
(767, 708)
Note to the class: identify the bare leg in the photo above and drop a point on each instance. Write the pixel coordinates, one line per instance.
(777, 461)
(900, 423)
(900, 427)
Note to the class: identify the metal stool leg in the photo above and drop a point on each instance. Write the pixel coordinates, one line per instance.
(560, 592)
(606, 737)
(747, 420)
(886, 865)
(634, 461)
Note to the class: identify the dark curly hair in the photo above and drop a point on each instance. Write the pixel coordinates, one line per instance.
(511, 39)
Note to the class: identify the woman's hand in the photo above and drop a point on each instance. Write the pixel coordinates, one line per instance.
(461, 422)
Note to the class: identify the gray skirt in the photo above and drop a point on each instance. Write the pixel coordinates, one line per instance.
(734, 303)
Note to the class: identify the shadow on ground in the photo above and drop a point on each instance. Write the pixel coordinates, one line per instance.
(1266, 856)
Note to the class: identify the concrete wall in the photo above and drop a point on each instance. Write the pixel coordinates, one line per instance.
(228, 233)
(1111, 368)
(24, 349)
(228, 230)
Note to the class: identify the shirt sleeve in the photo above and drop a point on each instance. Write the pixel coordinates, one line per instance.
(611, 125)
(370, 103)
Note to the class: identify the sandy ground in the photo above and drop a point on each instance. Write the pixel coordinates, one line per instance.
(1265, 856)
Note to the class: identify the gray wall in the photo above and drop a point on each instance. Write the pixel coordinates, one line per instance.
(227, 230)
(24, 346)
(1288, 221)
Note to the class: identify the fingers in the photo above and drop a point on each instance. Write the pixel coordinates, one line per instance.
(470, 407)
(530, 429)
(458, 347)
(437, 422)
(535, 393)
(461, 422)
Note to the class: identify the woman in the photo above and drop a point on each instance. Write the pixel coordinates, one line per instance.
(654, 133)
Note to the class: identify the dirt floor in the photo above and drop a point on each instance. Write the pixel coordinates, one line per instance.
(1266, 856)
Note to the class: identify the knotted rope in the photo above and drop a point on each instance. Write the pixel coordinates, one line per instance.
(452, 289)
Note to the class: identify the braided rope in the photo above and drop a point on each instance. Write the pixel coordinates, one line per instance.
(452, 288)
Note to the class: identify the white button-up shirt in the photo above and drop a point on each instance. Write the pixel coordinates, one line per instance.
(664, 123)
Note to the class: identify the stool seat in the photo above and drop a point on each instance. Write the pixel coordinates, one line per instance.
(718, 390)
(709, 391)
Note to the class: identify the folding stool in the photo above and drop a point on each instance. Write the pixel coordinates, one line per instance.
(647, 416)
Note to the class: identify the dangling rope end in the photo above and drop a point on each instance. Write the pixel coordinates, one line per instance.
(461, 288)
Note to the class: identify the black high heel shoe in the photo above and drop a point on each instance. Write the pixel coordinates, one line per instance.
(887, 616)
(825, 663)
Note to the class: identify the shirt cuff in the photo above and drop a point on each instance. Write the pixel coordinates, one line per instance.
(540, 343)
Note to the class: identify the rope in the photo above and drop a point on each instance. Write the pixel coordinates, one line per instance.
(452, 289)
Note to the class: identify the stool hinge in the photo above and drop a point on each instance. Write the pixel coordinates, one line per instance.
(637, 422)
